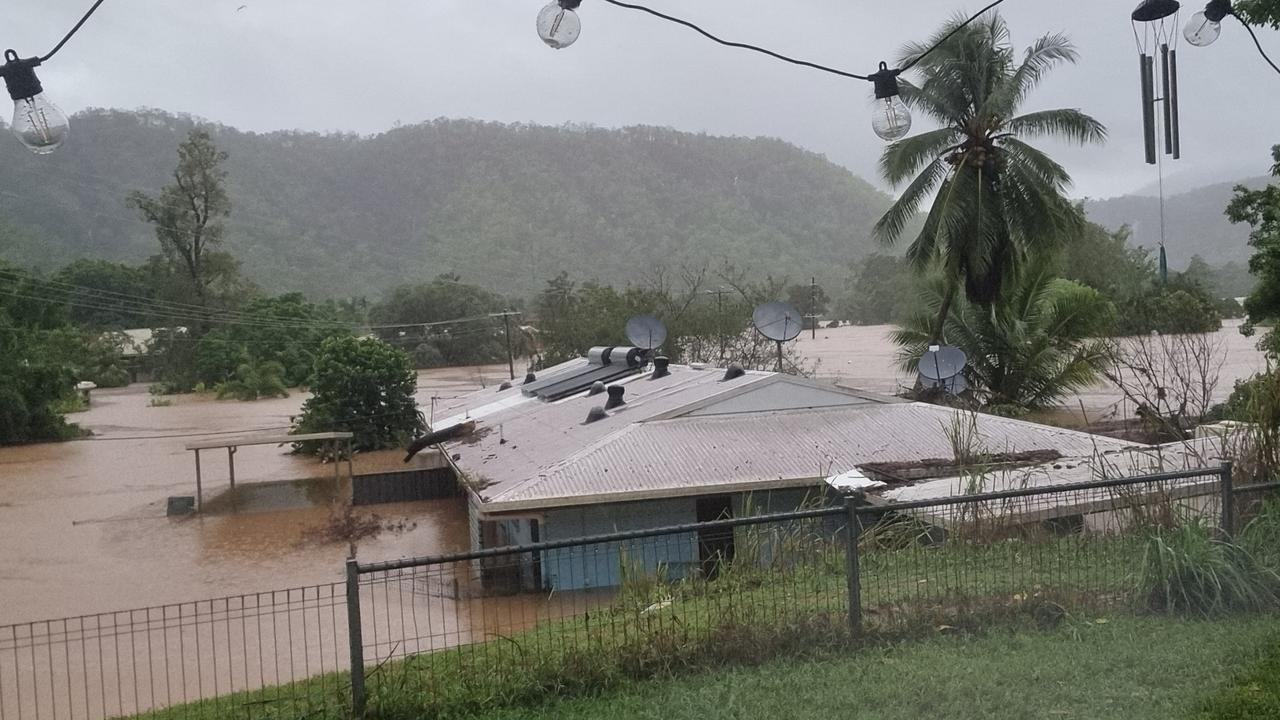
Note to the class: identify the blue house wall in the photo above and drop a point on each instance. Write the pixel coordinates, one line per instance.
(603, 565)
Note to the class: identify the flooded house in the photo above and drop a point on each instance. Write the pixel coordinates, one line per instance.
(615, 443)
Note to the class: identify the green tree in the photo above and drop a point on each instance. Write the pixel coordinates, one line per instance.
(188, 215)
(34, 375)
(882, 289)
(255, 380)
(285, 329)
(997, 199)
(1259, 12)
(808, 299)
(1032, 347)
(363, 386)
(106, 294)
(1261, 210)
(412, 309)
(1105, 261)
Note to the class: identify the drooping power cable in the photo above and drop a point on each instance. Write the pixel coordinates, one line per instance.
(72, 32)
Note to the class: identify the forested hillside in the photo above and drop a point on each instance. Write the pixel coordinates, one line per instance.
(1195, 223)
(506, 206)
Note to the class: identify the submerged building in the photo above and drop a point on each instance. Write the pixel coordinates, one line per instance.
(610, 443)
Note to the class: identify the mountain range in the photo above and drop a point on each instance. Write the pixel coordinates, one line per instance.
(505, 206)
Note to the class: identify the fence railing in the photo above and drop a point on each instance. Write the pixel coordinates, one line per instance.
(238, 656)
(466, 632)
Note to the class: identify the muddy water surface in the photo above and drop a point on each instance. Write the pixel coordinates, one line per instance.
(83, 525)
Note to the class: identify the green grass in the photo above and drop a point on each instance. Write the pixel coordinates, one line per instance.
(1252, 694)
(1156, 667)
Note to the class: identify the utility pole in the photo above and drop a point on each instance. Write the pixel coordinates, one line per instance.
(720, 293)
(813, 306)
(506, 327)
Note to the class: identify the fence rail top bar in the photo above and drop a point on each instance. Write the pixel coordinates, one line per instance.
(594, 539)
(1048, 489)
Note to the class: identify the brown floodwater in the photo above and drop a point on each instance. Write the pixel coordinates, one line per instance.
(83, 524)
(865, 357)
(84, 529)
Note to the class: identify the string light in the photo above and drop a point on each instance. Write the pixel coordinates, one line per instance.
(1205, 27)
(558, 24)
(558, 27)
(37, 123)
(891, 120)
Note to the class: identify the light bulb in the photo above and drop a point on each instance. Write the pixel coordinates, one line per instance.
(1201, 31)
(39, 124)
(558, 24)
(891, 119)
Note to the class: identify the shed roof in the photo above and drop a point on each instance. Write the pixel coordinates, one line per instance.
(690, 455)
(693, 433)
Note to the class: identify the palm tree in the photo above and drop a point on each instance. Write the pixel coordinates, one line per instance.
(1033, 347)
(996, 198)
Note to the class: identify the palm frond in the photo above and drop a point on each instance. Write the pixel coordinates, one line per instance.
(1064, 123)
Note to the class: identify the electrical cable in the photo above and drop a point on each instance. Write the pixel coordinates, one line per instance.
(743, 46)
(72, 32)
(1256, 42)
(794, 61)
(947, 37)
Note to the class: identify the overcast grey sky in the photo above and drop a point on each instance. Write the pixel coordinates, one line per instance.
(366, 65)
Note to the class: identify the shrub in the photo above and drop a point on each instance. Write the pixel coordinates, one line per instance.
(1187, 570)
(254, 381)
(112, 376)
(363, 386)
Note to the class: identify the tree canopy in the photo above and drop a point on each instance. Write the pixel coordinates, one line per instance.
(1261, 210)
(997, 199)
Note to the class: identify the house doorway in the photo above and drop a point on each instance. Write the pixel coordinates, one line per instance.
(715, 545)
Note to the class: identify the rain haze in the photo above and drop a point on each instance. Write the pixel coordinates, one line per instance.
(365, 67)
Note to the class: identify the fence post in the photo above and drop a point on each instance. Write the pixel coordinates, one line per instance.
(1228, 501)
(852, 503)
(356, 639)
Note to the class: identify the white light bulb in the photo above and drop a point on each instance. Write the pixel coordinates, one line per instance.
(1201, 31)
(891, 119)
(39, 124)
(558, 26)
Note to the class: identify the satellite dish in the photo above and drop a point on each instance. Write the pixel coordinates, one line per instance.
(778, 321)
(646, 332)
(943, 367)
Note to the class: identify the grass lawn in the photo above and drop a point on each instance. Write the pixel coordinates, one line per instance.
(1120, 667)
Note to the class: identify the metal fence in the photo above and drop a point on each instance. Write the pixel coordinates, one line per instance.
(466, 633)
(240, 656)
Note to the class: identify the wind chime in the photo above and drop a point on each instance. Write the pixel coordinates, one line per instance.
(1155, 29)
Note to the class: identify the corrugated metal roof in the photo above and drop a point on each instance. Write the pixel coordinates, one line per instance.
(688, 455)
(540, 434)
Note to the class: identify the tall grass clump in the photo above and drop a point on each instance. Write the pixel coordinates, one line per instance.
(1187, 570)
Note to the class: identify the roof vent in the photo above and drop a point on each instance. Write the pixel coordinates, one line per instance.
(596, 413)
(733, 372)
(615, 397)
(597, 387)
(530, 377)
(504, 386)
(660, 364)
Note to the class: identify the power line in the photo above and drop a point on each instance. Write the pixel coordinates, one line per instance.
(72, 32)
(1254, 35)
(794, 61)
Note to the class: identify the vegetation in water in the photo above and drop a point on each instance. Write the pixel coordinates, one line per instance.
(362, 386)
